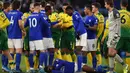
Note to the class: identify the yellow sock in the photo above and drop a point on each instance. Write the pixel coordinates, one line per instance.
(89, 56)
(69, 58)
(27, 63)
(36, 62)
(64, 57)
(99, 58)
(74, 57)
(57, 55)
(11, 64)
(127, 60)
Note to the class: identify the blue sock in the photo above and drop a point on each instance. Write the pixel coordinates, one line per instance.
(6, 62)
(42, 57)
(79, 60)
(123, 54)
(31, 60)
(12, 55)
(46, 59)
(3, 60)
(51, 57)
(18, 61)
(94, 62)
(85, 59)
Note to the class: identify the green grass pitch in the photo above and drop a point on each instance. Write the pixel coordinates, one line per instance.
(118, 67)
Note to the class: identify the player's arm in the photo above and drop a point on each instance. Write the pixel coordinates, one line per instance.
(106, 31)
(20, 22)
(44, 22)
(67, 21)
(94, 28)
(4, 21)
(101, 26)
(26, 24)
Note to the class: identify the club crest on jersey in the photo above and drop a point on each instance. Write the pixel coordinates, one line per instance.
(117, 15)
(89, 20)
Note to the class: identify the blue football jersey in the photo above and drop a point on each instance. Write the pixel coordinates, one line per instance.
(78, 23)
(91, 21)
(35, 22)
(43, 12)
(46, 31)
(13, 30)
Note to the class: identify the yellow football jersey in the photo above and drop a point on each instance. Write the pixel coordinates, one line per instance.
(54, 17)
(66, 20)
(25, 15)
(125, 21)
(4, 22)
(100, 26)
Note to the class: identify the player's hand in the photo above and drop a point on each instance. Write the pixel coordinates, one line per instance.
(87, 25)
(23, 33)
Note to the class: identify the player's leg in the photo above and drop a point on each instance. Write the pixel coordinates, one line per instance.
(11, 47)
(89, 56)
(18, 44)
(112, 53)
(122, 44)
(56, 36)
(92, 45)
(71, 48)
(26, 53)
(36, 60)
(98, 52)
(57, 53)
(63, 46)
(105, 50)
(42, 57)
(51, 56)
(4, 62)
(49, 45)
(11, 61)
(4, 48)
(126, 48)
(31, 55)
(51, 51)
(80, 43)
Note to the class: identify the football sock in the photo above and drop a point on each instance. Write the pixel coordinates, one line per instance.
(99, 58)
(27, 62)
(111, 64)
(51, 57)
(68, 58)
(85, 59)
(94, 62)
(18, 61)
(36, 62)
(127, 60)
(31, 60)
(79, 62)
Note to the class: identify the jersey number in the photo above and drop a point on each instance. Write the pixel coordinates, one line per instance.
(123, 20)
(32, 22)
(12, 20)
